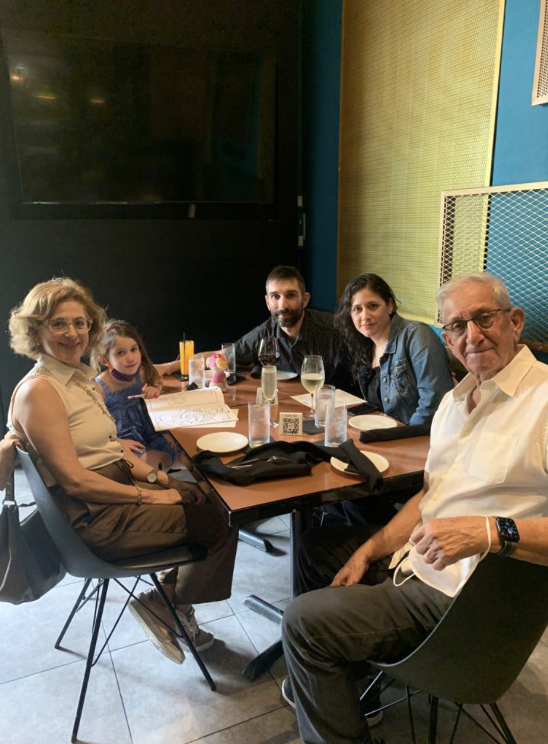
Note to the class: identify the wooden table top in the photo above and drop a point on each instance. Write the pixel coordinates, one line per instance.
(270, 498)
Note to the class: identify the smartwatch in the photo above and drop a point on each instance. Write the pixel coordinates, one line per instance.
(508, 534)
(152, 477)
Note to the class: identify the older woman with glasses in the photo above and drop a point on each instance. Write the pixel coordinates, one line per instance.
(120, 509)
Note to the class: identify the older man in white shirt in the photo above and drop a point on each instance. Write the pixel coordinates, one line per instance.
(485, 490)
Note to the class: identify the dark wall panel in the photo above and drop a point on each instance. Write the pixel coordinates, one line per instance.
(203, 277)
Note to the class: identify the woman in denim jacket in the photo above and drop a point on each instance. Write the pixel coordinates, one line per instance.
(401, 365)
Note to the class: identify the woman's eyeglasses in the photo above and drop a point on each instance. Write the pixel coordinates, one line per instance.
(61, 325)
(483, 321)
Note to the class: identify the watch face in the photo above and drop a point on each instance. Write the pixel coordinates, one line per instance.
(507, 529)
(152, 477)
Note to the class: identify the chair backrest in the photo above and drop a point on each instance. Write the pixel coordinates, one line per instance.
(77, 558)
(486, 636)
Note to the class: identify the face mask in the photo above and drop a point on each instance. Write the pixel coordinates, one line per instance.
(120, 375)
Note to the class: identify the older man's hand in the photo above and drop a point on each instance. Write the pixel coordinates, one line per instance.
(446, 541)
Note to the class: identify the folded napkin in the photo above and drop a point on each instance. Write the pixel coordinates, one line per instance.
(397, 432)
(373, 480)
(282, 460)
(361, 409)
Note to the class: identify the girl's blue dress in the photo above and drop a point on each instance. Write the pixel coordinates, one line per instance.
(132, 419)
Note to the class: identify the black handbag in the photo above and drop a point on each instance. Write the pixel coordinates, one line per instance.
(30, 564)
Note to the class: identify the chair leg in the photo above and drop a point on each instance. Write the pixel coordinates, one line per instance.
(433, 728)
(72, 613)
(183, 632)
(90, 662)
(255, 541)
(410, 711)
(502, 723)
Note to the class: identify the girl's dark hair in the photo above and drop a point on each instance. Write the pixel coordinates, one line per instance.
(114, 328)
(361, 350)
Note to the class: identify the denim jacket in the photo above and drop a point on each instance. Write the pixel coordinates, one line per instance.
(414, 372)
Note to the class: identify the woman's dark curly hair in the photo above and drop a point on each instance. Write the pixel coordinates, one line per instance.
(361, 350)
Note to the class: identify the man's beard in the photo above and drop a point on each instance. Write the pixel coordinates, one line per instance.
(290, 319)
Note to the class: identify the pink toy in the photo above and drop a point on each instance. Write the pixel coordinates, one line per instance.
(218, 363)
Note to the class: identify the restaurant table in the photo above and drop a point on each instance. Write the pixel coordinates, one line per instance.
(296, 496)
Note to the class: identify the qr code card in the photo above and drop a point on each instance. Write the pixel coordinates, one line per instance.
(291, 424)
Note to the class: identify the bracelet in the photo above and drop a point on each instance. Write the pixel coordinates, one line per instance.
(139, 495)
(489, 539)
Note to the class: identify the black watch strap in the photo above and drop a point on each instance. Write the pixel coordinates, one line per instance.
(507, 548)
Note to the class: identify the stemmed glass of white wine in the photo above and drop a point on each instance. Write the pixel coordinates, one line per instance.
(312, 379)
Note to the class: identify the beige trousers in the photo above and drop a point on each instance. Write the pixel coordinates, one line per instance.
(119, 531)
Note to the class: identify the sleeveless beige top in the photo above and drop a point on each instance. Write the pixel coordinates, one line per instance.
(92, 428)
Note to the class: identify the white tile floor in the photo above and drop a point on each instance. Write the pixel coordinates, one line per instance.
(137, 696)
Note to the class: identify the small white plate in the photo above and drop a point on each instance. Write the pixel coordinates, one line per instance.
(282, 375)
(367, 422)
(222, 442)
(380, 462)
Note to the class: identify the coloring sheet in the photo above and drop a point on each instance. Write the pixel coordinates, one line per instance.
(189, 408)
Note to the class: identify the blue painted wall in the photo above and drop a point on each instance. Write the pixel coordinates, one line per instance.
(321, 64)
(521, 144)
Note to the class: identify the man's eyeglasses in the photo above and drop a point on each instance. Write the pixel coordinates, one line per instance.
(483, 321)
(61, 325)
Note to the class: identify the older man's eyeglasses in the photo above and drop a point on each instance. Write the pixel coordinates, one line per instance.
(61, 325)
(483, 321)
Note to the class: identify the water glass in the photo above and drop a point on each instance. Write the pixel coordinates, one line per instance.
(259, 424)
(335, 424)
(229, 350)
(325, 395)
(196, 371)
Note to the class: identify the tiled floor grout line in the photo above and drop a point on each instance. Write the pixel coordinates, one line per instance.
(120, 693)
(235, 725)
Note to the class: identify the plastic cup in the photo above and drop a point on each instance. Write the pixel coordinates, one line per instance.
(196, 371)
(259, 424)
(335, 424)
(325, 395)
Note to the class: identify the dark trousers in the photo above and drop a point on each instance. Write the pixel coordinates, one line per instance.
(327, 630)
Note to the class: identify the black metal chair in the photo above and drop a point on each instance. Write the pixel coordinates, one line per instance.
(81, 562)
(480, 645)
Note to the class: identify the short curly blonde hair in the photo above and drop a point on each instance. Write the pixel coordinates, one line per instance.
(40, 305)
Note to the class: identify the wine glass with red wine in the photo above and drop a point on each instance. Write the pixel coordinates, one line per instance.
(269, 351)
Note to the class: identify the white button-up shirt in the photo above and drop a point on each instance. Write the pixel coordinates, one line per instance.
(492, 461)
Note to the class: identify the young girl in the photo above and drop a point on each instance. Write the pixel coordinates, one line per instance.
(128, 372)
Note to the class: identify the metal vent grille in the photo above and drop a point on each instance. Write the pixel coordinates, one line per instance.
(502, 230)
(540, 84)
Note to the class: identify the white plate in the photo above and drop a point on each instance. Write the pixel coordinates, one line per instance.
(380, 462)
(368, 421)
(222, 442)
(281, 375)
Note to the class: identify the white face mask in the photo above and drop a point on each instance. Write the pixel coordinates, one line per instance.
(450, 580)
